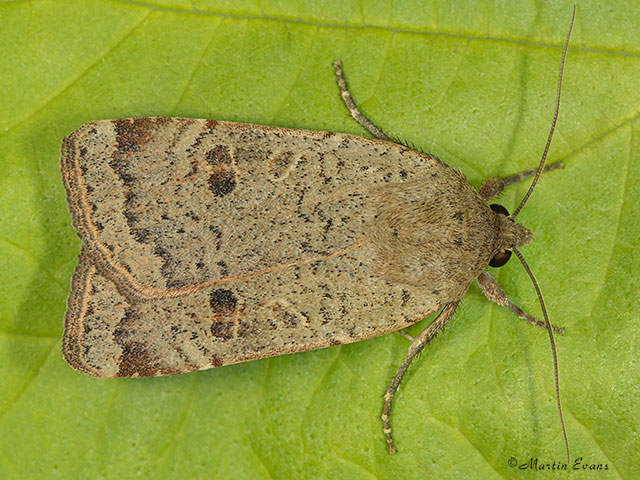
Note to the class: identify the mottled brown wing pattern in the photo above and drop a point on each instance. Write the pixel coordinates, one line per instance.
(209, 243)
(108, 334)
(168, 204)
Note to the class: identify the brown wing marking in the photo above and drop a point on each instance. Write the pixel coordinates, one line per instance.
(127, 186)
(300, 308)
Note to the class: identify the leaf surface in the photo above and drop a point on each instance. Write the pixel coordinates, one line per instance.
(473, 84)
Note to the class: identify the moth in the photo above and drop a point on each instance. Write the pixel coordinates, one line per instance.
(207, 243)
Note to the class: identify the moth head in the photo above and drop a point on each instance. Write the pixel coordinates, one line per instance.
(512, 235)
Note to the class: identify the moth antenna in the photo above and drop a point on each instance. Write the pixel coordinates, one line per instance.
(553, 348)
(553, 123)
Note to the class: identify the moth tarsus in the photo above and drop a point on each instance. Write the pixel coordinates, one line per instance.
(353, 108)
(490, 189)
(417, 345)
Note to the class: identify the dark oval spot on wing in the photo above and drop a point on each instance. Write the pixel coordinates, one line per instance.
(223, 302)
(222, 182)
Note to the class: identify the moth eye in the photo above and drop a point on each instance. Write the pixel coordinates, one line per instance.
(499, 209)
(500, 258)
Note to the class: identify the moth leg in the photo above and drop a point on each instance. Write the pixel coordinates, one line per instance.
(492, 187)
(417, 344)
(406, 335)
(351, 105)
(493, 292)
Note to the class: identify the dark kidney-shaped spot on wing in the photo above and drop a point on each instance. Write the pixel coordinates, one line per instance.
(223, 305)
(222, 180)
(222, 330)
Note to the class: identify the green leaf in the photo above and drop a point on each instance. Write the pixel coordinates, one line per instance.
(473, 83)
